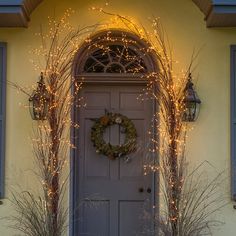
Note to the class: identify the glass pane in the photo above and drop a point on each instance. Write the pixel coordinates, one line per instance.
(115, 59)
(115, 68)
(101, 56)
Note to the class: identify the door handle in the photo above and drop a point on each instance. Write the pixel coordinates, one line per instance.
(149, 190)
(141, 190)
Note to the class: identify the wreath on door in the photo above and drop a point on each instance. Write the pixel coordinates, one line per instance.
(107, 149)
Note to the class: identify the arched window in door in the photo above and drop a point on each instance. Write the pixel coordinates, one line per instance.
(114, 52)
(115, 58)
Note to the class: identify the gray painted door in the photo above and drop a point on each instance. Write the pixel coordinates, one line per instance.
(114, 195)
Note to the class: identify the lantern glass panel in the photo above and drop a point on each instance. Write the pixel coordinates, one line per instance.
(192, 102)
(190, 112)
(38, 106)
(197, 110)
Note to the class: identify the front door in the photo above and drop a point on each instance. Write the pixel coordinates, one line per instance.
(114, 197)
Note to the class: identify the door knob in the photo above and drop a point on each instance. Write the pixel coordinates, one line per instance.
(149, 190)
(141, 190)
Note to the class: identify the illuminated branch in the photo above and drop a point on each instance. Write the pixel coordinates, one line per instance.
(45, 215)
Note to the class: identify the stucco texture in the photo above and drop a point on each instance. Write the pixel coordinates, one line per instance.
(183, 21)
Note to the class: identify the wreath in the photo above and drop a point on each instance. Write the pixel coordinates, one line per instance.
(107, 149)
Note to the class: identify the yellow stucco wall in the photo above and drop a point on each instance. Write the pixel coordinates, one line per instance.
(186, 29)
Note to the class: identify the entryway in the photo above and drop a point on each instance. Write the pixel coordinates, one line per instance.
(112, 197)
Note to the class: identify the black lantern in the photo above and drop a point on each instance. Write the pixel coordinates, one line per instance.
(191, 101)
(39, 101)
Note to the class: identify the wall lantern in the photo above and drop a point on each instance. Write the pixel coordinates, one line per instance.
(39, 101)
(192, 102)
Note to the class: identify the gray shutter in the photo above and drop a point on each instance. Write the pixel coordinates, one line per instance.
(2, 114)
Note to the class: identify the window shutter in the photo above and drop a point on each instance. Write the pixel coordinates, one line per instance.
(2, 114)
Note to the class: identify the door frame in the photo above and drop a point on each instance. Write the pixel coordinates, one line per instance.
(106, 79)
(74, 161)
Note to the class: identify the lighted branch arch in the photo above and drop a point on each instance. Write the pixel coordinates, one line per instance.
(52, 141)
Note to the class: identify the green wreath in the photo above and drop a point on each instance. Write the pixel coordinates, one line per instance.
(114, 151)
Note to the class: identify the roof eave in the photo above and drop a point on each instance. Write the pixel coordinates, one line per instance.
(218, 13)
(17, 12)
